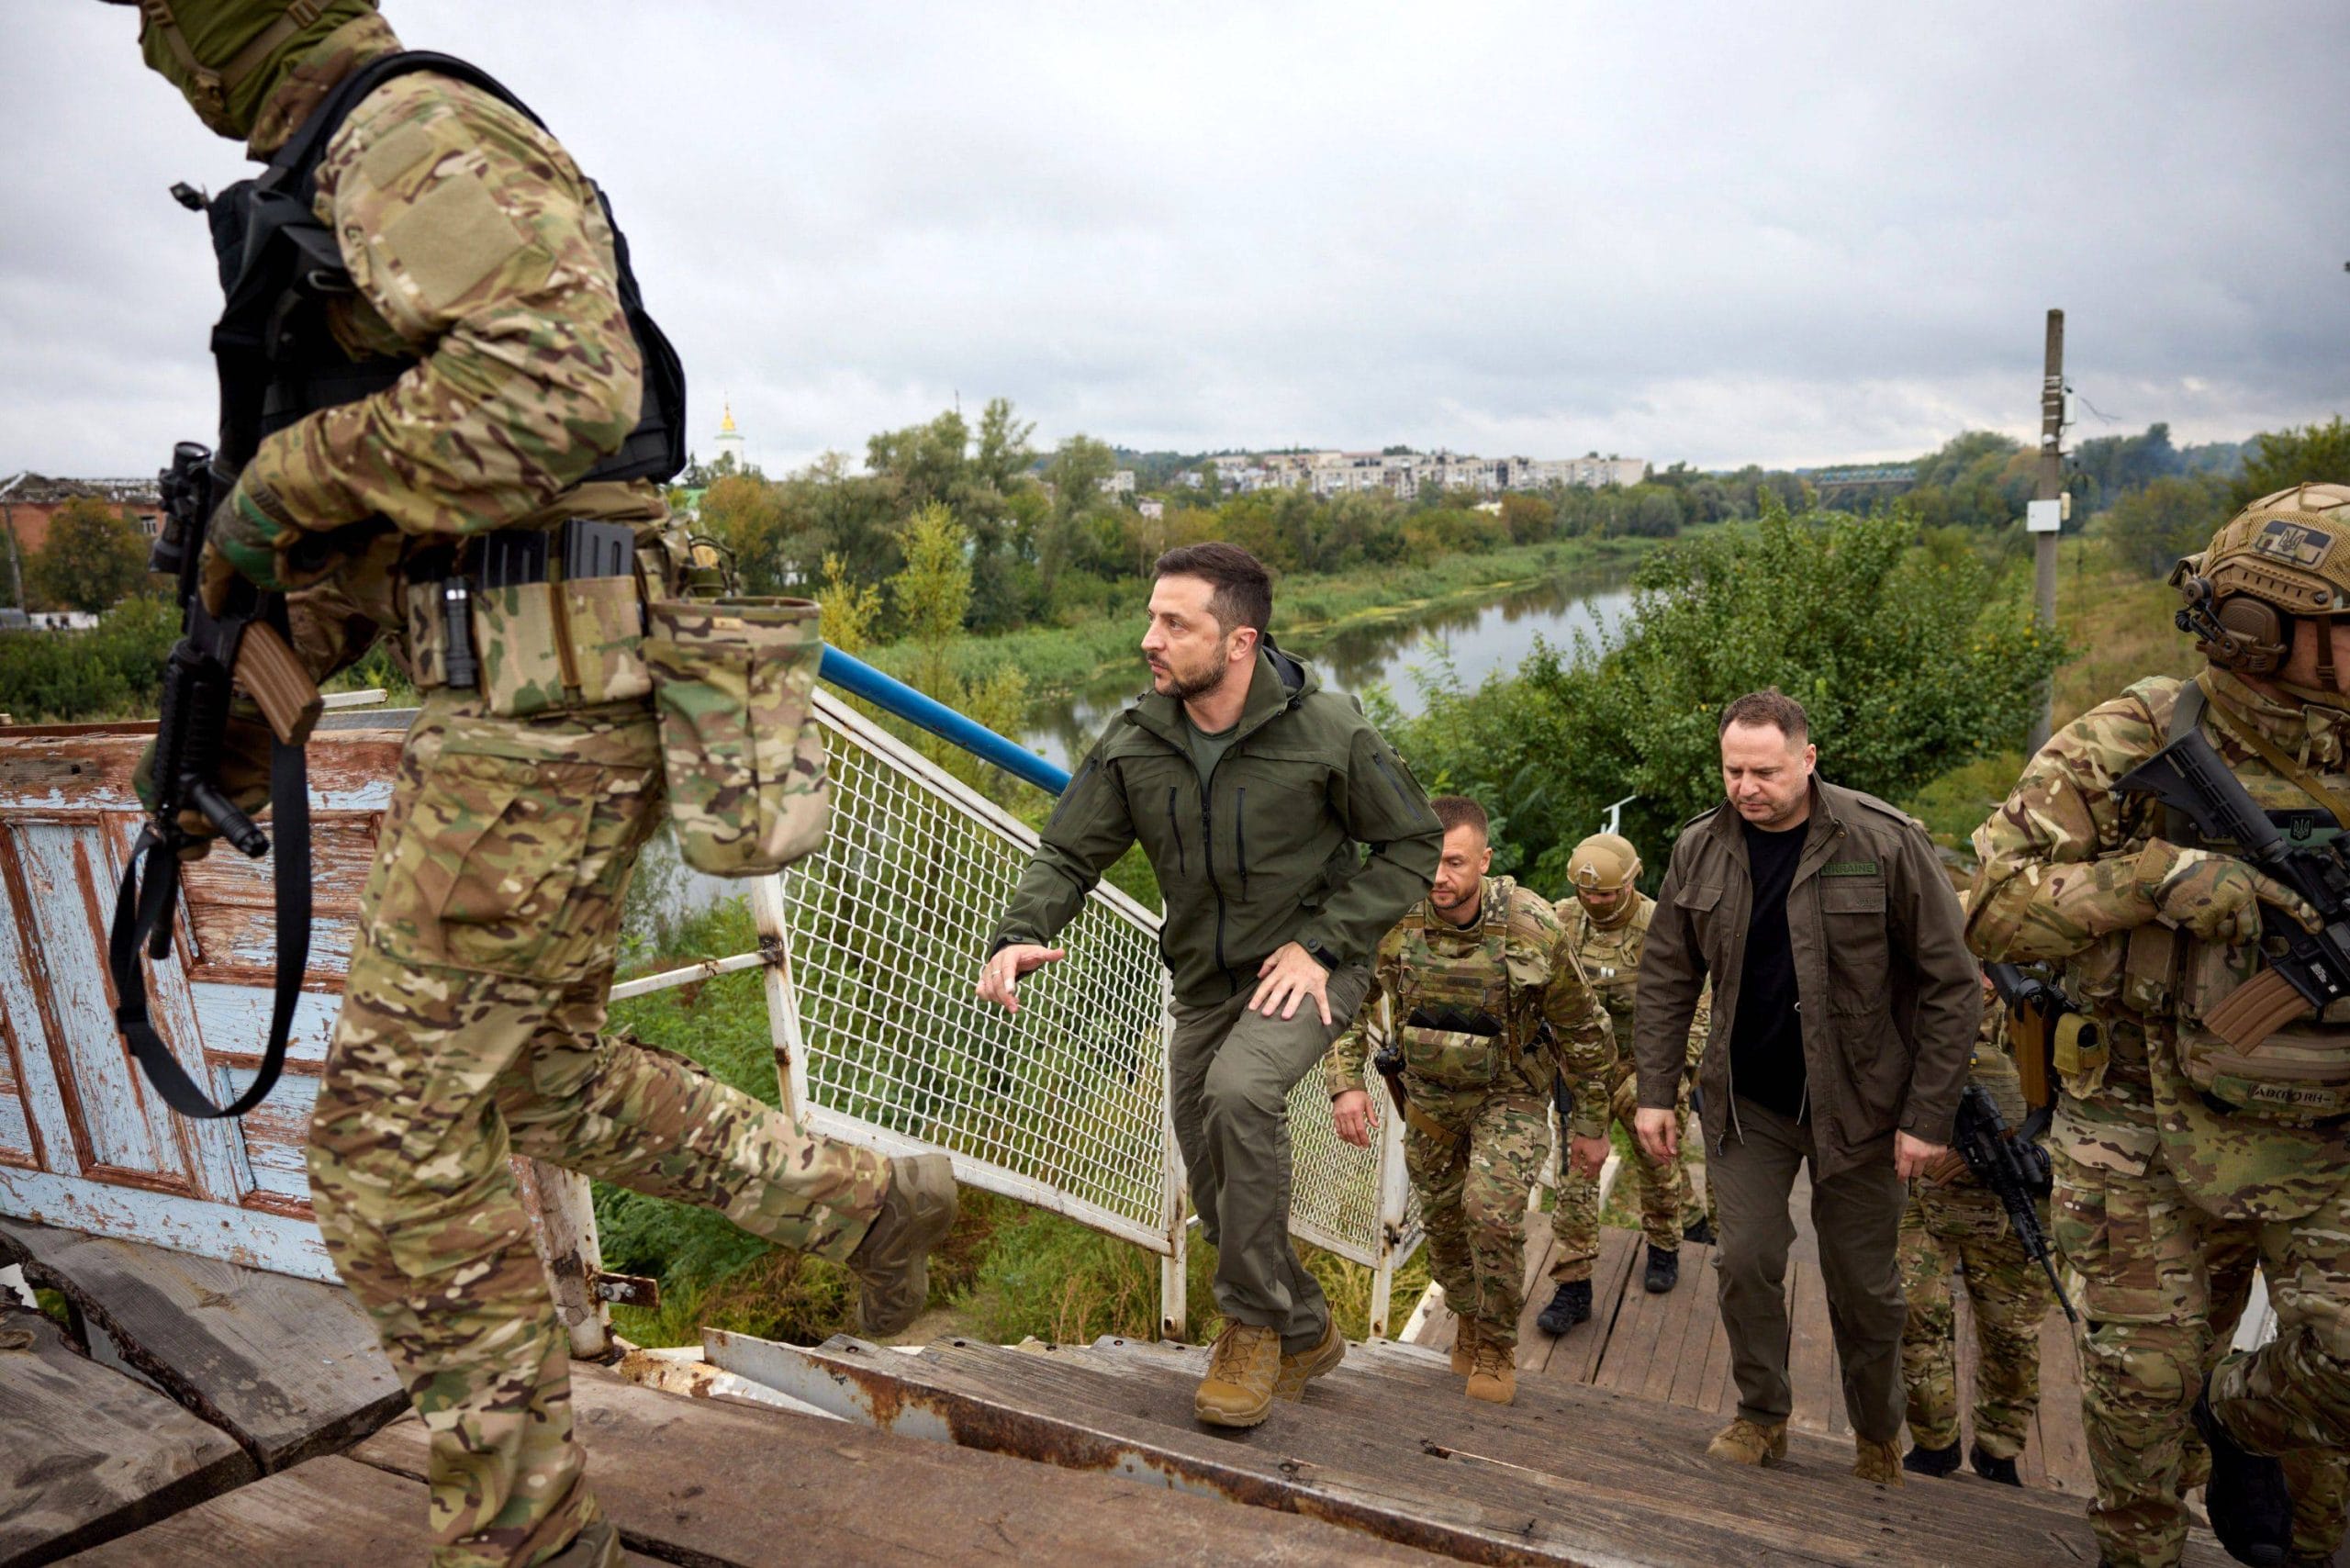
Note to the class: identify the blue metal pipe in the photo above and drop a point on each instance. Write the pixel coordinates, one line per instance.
(890, 695)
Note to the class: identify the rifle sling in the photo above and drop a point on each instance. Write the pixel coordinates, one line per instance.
(141, 914)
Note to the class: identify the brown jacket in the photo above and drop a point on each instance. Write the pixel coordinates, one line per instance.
(1890, 996)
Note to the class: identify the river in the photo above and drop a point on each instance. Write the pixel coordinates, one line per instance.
(1397, 653)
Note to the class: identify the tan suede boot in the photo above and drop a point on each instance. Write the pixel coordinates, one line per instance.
(1880, 1462)
(1299, 1370)
(1751, 1442)
(1242, 1369)
(893, 1259)
(1494, 1377)
(1464, 1347)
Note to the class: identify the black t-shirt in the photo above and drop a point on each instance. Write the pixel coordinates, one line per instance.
(1766, 1039)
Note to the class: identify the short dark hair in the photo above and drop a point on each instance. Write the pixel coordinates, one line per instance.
(1769, 706)
(1459, 810)
(1243, 593)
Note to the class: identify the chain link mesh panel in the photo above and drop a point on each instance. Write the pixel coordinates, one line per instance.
(887, 926)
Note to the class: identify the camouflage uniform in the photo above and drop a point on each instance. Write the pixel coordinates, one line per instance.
(1485, 1100)
(1610, 956)
(473, 1013)
(2319, 1480)
(2167, 1146)
(1960, 1224)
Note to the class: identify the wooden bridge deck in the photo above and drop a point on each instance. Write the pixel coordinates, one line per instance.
(1672, 1349)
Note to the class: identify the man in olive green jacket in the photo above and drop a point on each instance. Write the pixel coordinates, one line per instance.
(1845, 1006)
(1251, 790)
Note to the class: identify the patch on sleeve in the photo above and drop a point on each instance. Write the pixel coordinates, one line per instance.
(395, 154)
(451, 238)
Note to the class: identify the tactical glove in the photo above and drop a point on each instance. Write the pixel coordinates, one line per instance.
(244, 777)
(2216, 896)
(251, 536)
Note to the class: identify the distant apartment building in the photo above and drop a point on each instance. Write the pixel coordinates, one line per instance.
(1402, 473)
(1121, 483)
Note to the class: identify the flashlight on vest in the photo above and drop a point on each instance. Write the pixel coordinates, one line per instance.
(457, 614)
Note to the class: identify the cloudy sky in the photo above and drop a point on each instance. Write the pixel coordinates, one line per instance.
(1791, 234)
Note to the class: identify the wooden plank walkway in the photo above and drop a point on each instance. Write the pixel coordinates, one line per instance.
(1673, 1348)
(715, 1483)
(1570, 1474)
(85, 1453)
(290, 1368)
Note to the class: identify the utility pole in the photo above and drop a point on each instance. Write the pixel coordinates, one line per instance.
(2046, 514)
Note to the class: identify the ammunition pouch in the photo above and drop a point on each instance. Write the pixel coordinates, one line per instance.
(535, 620)
(733, 683)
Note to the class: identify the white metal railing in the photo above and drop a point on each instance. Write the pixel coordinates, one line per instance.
(871, 947)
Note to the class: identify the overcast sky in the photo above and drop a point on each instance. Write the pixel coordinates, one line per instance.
(1788, 233)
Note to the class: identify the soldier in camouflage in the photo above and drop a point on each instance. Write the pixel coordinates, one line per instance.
(473, 1018)
(1480, 991)
(2173, 1143)
(1954, 1221)
(1606, 920)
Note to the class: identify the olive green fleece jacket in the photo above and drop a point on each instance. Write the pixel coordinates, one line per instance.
(1261, 853)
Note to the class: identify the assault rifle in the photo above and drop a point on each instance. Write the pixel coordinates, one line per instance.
(2015, 1170)
(2037, 1013)
(2306, 970)
(242, 648)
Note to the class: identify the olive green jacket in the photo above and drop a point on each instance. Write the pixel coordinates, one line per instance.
(1262, 853)
(1890, 997)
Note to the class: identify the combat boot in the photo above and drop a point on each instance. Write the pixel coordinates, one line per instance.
(1699, 1230)
(1568, 1305)
(1750, 1442)
(1464, 1347)
(1303, 1367)
(1990, 1467)
(1665, 1270)
(1940, 1461)
(1880, 1462)
(893, 1261)
(1494, 1377)
(2251, 1511)
(1242, 1369)
(598, 1546)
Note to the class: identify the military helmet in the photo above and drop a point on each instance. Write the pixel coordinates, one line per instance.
(2284, 555)
(1604, 863)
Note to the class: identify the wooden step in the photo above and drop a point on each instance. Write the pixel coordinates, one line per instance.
(87, 1453)
(288, 1367)
(1389, 1445)
(330, 1510)
(716, 1482)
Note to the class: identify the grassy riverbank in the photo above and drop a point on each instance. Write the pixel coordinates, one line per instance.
(1306, 609)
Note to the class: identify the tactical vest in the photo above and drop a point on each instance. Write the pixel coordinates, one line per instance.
(1611, 958)
(281, 269)
(1469, 1003)
(2298, 1075)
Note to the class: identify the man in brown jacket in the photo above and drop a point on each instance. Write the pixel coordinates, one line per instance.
(1845, 1004)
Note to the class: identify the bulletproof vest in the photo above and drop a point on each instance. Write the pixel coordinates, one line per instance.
(1611, 956)
(1469, 1001)
(2300, 1073)
(280, 268)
